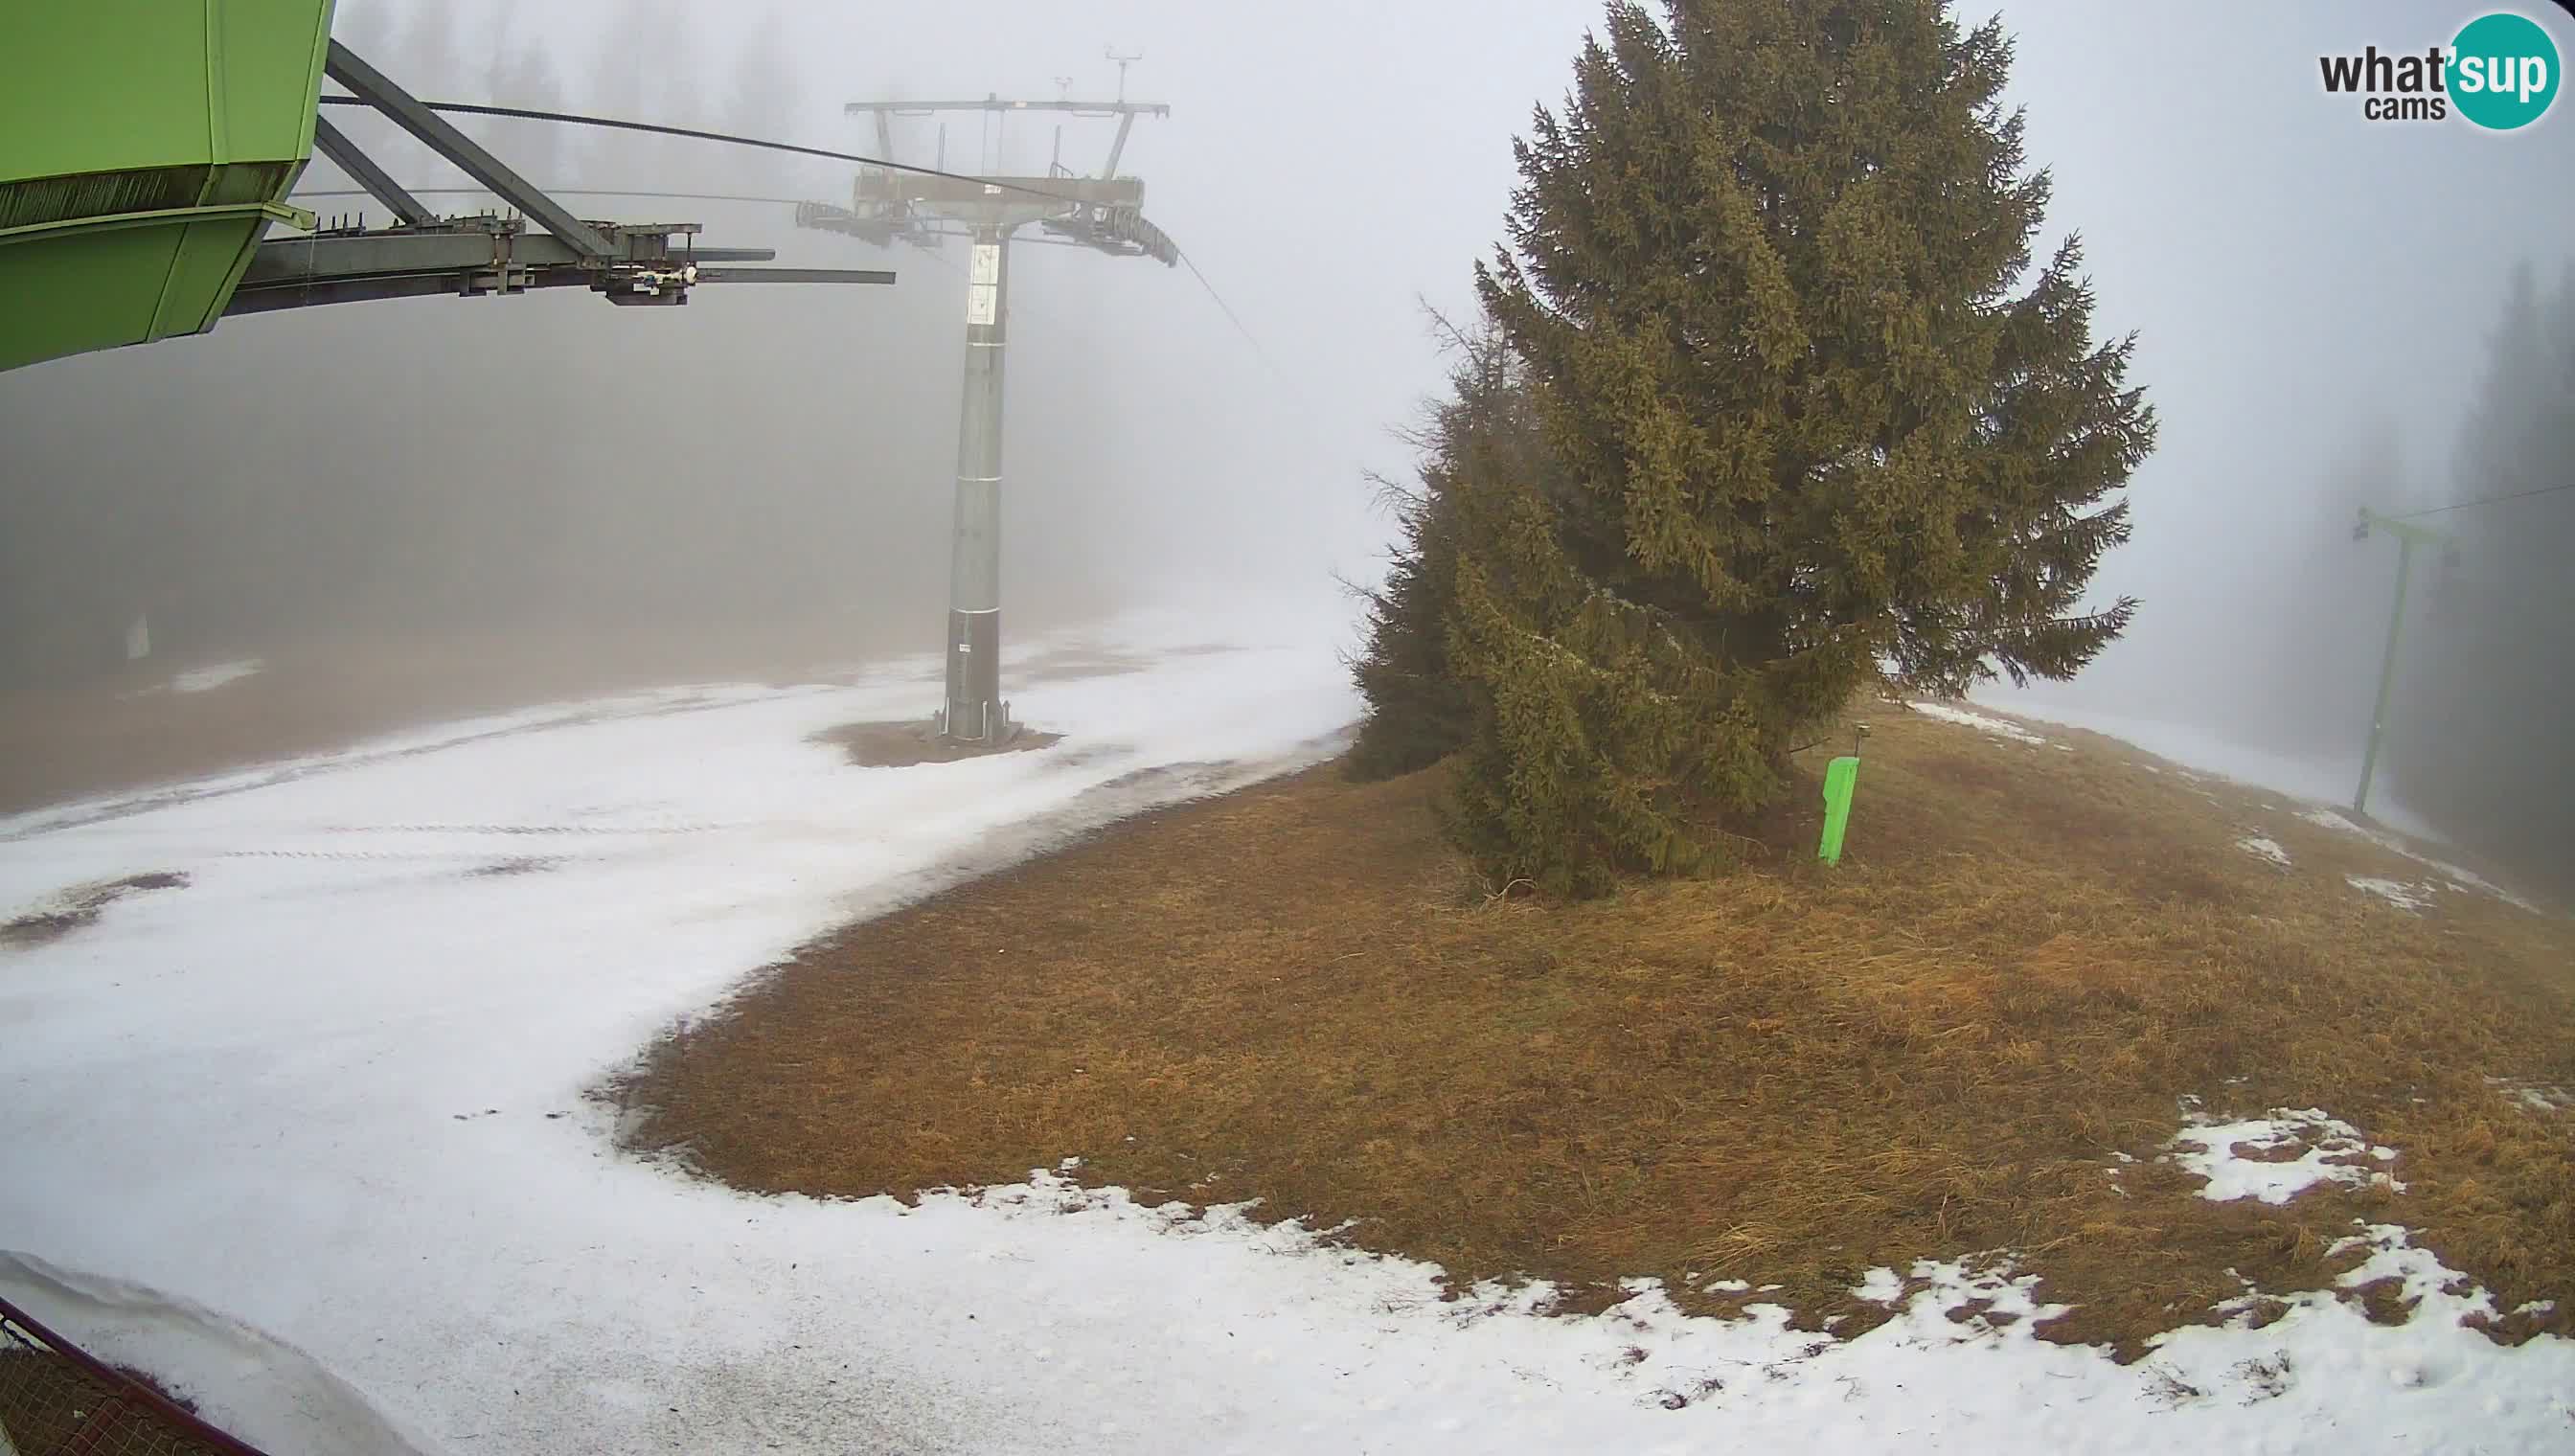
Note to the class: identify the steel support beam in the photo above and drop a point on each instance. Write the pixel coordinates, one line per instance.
(491, 255)
(372, 87)
(1118, 148)
(314, 293)
(362, 170)
(350, 255)
(975, 711)
(2407, 538)
(794, 274)
(449, 285)
(318, 292)
(1103, 212)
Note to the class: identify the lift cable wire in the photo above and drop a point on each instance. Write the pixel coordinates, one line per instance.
(565, 191)
(2487, 501)
(522, 113)
(1239, 326)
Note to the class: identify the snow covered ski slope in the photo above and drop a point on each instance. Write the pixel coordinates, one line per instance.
(325, 1074)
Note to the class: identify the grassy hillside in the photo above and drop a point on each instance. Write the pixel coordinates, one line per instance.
(1979, 1035)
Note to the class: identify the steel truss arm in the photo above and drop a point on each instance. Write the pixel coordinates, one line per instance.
(491, 255)
(313, 294)
(627, 263)
(377, 90)
(362, 170)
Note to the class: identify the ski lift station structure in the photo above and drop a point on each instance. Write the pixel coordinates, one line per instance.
(149, 152)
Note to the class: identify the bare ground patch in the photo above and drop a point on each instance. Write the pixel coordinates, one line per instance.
(904, 744)
(1977, 1035)
(79, 907)
(49, 1403)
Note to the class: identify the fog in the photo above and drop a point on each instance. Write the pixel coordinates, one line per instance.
(785, 453)
(2315, 295)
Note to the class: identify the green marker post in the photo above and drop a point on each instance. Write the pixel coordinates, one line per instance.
(1841, 776)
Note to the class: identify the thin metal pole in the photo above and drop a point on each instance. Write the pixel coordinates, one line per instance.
(2386, 674)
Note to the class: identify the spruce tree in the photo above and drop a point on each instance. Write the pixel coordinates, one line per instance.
(1813, 419)
(1486, 428)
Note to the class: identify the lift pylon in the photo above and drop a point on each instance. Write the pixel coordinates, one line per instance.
(1103, 213)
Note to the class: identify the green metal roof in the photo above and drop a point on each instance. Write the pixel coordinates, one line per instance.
(145, 147)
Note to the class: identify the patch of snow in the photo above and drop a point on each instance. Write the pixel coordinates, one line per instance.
(2324, 778)
(2460, 879)
(2542, 1097)
(278, 1397)
(206, 679)
(1981, 723)
(2266, 848)
(2298, 1376)
(1879, 1286)
(2412, 899)
(2332, 1152)
(2334, 819)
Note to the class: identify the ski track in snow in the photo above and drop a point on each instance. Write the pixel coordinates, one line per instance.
(333, 1088)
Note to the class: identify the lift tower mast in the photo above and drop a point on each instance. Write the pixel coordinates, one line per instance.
(1103, 213)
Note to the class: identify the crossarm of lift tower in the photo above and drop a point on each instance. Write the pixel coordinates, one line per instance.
(891, 202)
(425, 254)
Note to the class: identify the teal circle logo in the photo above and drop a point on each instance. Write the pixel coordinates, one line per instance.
(2503, 71)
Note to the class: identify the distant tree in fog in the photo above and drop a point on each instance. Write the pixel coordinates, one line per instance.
(763, 99)
(2320, 608)
(2480, 745)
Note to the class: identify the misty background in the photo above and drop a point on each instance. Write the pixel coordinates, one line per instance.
(2332, 313)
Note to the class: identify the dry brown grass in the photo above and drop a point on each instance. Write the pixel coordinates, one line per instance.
(1784, 1075)
(49, 1404)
